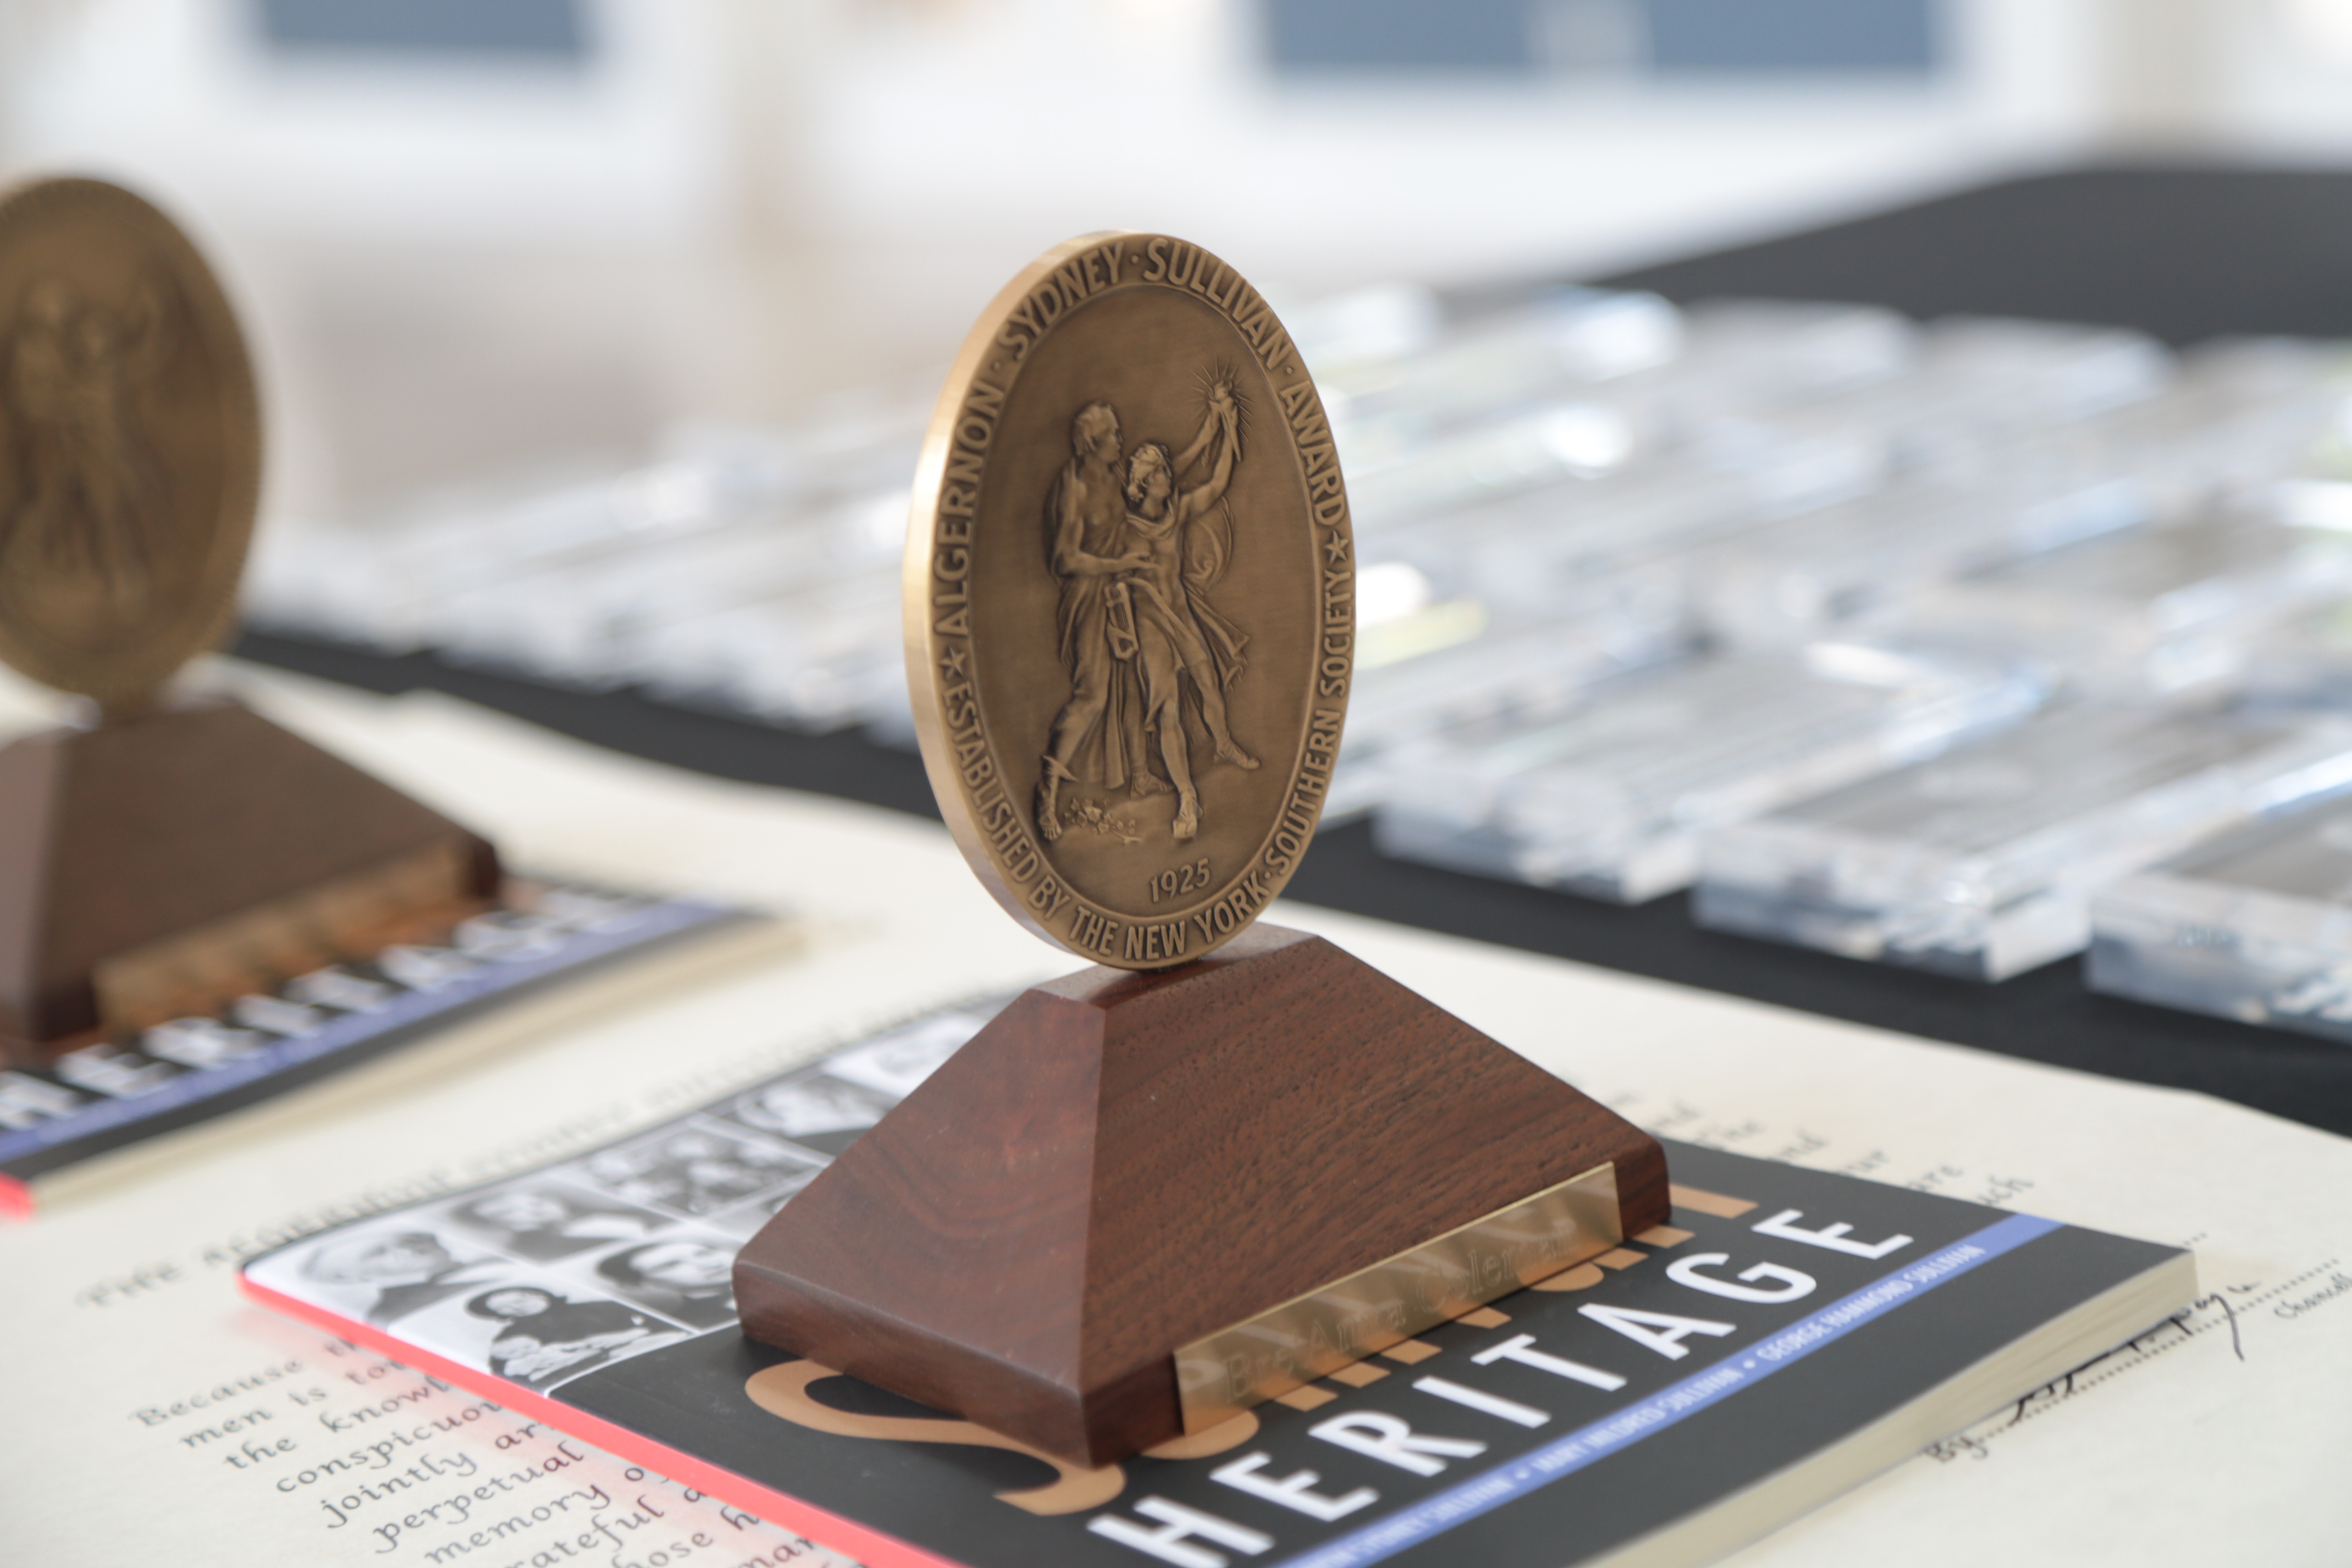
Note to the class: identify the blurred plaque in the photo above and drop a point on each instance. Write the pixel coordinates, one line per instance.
(176, 851)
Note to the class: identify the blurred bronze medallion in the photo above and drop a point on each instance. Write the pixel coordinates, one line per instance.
(1130, 600)
(130, 444)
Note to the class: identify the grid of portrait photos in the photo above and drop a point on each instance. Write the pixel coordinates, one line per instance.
(543, 1277)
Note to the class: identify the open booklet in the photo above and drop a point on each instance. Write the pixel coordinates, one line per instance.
(59, 1120)
(1790, 1333)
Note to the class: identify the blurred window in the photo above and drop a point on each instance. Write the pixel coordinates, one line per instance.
(539, 31)
(1406, 35)
(1792, 35)
(1652, 37)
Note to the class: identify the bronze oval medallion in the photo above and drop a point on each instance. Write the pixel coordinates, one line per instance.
(1130, 600)
(132, 443)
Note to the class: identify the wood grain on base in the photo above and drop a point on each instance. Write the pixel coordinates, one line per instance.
(1120, 1164)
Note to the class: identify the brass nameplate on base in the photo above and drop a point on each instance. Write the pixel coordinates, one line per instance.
(1316, 1334)
(357, 916)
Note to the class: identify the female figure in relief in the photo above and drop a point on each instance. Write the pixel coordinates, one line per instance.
(1178, 634)
(1087, 550)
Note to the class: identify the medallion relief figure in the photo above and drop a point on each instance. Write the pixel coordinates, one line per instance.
(91, 495)
(1137, 539)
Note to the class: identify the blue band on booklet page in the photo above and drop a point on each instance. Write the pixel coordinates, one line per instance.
(1456, 1505)
(352, 1029)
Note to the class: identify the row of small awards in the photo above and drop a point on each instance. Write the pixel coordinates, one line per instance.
(1965, 646)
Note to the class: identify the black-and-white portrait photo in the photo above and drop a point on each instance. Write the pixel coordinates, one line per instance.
(817, 1112)
(898, 1063)
(744, 1220)
(690, 1171)
(543, 1338)
(390, 1273)
(544, 1219)
(686, 1278)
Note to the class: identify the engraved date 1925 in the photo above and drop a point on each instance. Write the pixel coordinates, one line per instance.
(1182, 879)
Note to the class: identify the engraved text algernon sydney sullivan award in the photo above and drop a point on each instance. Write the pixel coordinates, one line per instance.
(173, 854)
(1139, 1204)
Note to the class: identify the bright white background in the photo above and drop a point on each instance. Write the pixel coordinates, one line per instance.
(746, 203)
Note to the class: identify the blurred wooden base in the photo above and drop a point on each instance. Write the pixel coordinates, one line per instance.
(157, 867)
(1120, 1164)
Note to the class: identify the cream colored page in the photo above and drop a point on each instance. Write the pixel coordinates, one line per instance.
(120, 1302)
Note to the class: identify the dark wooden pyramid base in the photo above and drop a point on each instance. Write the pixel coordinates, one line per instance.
(1120, 1164)
(146, 864)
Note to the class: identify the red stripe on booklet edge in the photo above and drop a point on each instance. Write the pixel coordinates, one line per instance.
(15, 1198)
(868, 1545)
